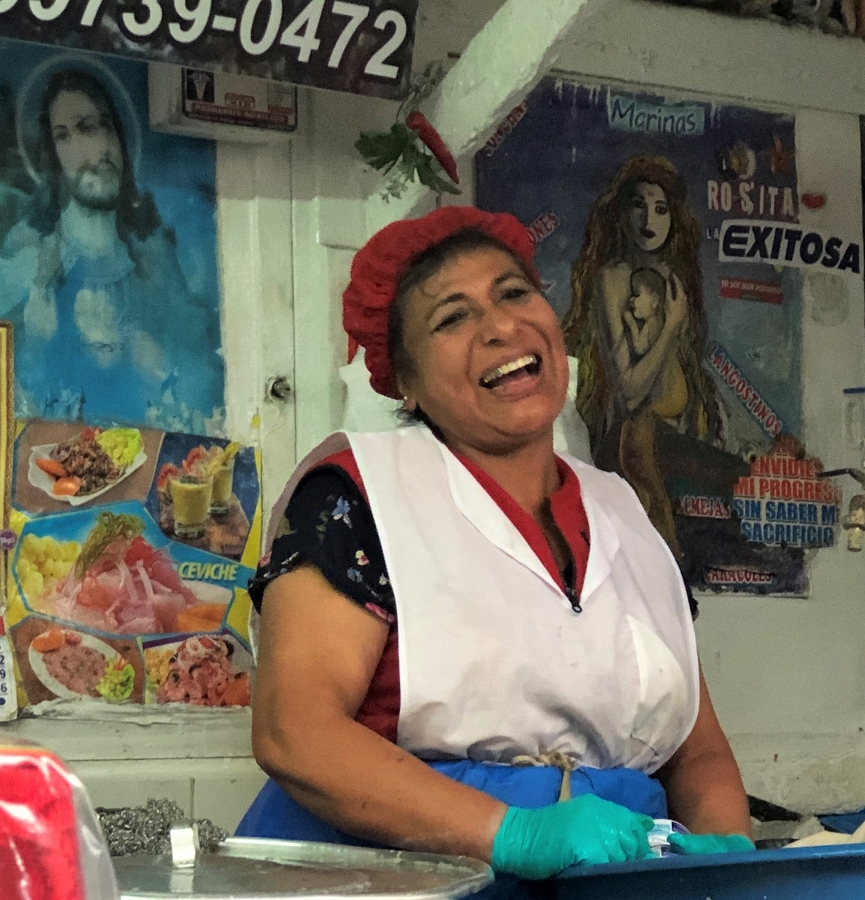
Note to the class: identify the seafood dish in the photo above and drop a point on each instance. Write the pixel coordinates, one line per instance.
(115, 581)
(73, 665)
(200, 673)
(81, 468)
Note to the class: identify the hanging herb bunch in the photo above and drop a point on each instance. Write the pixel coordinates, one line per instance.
(412, 149)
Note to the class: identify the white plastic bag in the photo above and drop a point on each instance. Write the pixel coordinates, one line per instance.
(365, 410)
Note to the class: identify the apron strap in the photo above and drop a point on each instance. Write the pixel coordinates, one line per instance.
(557, 760)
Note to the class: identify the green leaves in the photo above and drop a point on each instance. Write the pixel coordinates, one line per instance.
(383, 149)
(400, 153)
(427, 173)
(109, 527)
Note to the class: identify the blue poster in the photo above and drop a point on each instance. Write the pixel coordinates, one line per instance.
(108, 255)
(689, 368)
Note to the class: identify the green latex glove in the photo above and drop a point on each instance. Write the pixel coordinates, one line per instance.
(694, 844)
(540, 843)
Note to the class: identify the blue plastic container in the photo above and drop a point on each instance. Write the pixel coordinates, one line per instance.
(821, 873)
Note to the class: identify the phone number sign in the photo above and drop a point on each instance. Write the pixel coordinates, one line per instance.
(360, 48)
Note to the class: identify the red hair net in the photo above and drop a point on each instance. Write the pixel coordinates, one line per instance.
(379, 267)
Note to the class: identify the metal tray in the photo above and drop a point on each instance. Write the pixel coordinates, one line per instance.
(259, 869)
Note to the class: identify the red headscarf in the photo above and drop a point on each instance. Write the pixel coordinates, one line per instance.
(379, 267)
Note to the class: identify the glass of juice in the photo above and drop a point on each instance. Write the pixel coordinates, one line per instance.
(223, 479)
(191, 496)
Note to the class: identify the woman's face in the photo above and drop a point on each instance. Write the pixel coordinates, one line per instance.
(647, 217)
(489, 363)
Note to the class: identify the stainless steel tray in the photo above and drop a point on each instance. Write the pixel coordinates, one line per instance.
(258, 869)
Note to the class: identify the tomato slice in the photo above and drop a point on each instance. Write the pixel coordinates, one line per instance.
(66, 487)
(52, 467)
(139, 550)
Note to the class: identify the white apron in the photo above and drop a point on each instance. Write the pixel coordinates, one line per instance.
(494, 662)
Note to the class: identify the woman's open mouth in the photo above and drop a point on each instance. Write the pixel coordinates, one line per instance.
(528, 366)
(647, 233)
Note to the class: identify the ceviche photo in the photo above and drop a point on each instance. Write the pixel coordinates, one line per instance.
(199, 671)
(115, 581)
(85, 466)
(74, 665)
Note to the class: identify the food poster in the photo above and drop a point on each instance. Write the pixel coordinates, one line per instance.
(689, 368)
(128, 580)
(108, 248)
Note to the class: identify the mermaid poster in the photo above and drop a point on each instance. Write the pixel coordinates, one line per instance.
(689, 368)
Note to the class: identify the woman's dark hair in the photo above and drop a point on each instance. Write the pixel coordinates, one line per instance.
(420, 269)
(136, 213)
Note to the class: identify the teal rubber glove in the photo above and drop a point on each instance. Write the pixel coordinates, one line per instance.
(540, 843)
(694, 844)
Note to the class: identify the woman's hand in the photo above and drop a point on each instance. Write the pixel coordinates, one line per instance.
(702, 781)
(540, 843)
(695, 844)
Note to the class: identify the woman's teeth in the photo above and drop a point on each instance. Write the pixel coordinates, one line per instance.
(497, 374)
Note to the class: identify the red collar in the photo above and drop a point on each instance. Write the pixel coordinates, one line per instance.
(566, 504)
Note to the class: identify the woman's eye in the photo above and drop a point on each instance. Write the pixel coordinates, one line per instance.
(661, 210)
(449, 321)
(515, 293)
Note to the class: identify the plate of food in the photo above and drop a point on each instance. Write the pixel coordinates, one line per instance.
(73, 665)
(84, 467)
(116, 581)
(202, 671)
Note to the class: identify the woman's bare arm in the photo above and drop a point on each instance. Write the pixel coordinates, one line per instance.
(317, 656)
(635, 379)
(702, 781)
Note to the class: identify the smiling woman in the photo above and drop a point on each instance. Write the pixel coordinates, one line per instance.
(487, 362)
(445, 602)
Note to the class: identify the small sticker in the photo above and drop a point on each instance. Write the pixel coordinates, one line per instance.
(8, 539)
(8, 698)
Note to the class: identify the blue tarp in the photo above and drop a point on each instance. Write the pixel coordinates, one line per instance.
(846, 823)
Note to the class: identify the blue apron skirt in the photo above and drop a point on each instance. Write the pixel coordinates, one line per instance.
(273, 814)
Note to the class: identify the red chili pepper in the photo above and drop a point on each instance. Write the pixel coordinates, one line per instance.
(432, 139)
